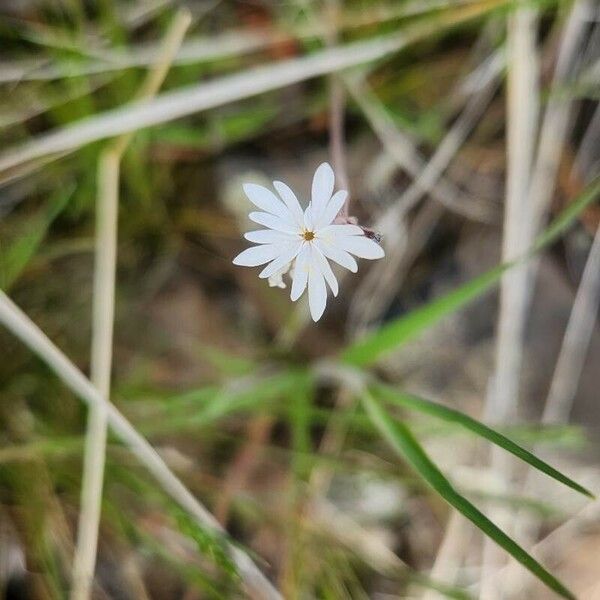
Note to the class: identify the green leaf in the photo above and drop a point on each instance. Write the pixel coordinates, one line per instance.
(15, 257)
(402, 330)
(392, 335)
(454, 416)
(254, 394)
(403, 442)
(206, 406)
(566, 218)
(300, 397)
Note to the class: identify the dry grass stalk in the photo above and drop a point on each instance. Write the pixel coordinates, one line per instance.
(565, 380)
(102, 327)
(522, 109)
(226, 89)
(17, 322)
(226, 45)
(578, 334)
(527, 205)
(373, 294)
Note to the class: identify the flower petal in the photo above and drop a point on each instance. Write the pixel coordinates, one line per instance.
(337, 255)
(257, 255)
(288, 254)
(288, 196)
(333, 231)
(360, 246)
(273, 222)
(268, 236)
(322, 188)
(266, 200)
(332, 209)
(300, 274)
(308, 218)
(276, 280)
(323, 264)
(317, 292)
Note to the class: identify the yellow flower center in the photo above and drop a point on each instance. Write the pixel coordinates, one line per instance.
(308, 236)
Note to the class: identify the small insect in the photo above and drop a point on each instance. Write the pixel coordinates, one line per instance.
(372, 235)
(369, 233)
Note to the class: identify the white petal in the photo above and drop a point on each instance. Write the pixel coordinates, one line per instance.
(331, 232)
(308, 218)
(273, 222)
(268, 236)
(337, 255)
(300, 277)
(282, 260)
(322, 187)
(360, 246)
(257, 255)
(276, 280)
(317, 292)
(266, 200)
(323, 263)
(288, 196)
(332, 209)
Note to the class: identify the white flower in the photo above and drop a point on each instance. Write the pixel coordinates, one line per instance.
(303, 242)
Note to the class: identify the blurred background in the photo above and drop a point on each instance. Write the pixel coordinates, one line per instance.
(461, 128)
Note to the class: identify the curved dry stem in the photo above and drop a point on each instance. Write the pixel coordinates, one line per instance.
(15, 320)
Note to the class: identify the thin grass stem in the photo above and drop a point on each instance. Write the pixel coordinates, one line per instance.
(17, 322)
(229, 88)
(103, 319)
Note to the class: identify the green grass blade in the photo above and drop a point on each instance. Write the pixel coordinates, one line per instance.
(454, 416)
(567, 217)
(400, 331)
(403, 442)
(392, 335)
(15, 257)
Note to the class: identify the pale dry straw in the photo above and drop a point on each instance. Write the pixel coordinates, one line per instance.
(17, 322)
(102, 322)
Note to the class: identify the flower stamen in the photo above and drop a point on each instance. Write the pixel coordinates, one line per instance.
(308, 235)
